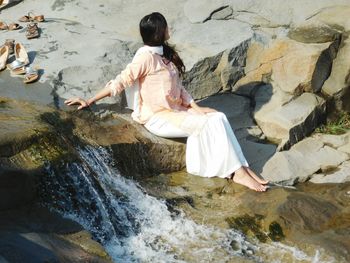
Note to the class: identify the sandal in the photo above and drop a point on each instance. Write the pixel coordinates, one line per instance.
(17, 67)
(4, 54)
(31, 75)
(3, 25)
(10, 43)
(14, 26)
(31, 17)
(32, 31)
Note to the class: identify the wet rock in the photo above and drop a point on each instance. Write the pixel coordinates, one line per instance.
(299, 213)
(308, 217)
(17, 188)
(19, 125)
(35, 234)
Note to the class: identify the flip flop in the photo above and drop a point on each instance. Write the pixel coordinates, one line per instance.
(4, 54)
(31, 75)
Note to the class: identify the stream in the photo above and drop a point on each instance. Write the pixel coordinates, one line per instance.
(136, 227)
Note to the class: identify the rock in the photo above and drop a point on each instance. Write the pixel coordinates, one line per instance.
(338, 83)
(20, 125)
(299, 213)
(293, 121)
(288, 65)
(303, 160)
(216, 66)
(236, 108)
(35, 234)
(339, 175)
(17, 188)
(335, 19)
(313, 32)
(345, 148)
(276, 13)
(198, 12)
(334, 141)
(221, 14)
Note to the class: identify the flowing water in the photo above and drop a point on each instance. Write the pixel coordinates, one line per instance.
(136, 227)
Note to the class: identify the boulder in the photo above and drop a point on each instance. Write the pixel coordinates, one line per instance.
(302, 161)
(288, 65)
(331, 23)
(290, 123)
(339, 175)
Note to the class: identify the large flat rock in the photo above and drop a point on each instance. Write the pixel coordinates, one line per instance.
(303, 161)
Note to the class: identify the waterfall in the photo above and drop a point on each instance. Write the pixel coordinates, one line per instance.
(136, 227)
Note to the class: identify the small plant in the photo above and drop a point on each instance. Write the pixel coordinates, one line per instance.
(339, 126)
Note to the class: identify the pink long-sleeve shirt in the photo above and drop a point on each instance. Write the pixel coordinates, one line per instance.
(160, 90)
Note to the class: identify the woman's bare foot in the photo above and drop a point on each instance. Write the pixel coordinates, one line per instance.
(255, 177)
(242, 177)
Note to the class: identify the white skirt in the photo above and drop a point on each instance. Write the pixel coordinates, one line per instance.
(213, 151)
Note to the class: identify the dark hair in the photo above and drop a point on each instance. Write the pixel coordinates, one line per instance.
(153, 28)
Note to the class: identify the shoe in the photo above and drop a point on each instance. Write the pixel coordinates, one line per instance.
(31, 75)
(22, 60)
(4, 54)
(32, 31)
(21, 54)
(11, 44)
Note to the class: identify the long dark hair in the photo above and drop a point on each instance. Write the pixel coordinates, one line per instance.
(153, 28)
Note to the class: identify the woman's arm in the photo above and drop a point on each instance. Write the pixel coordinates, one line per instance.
(105, 92)
(140, 66)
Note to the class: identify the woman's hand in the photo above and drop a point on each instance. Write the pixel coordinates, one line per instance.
(201, 110)
(77, 101)
(207, 109)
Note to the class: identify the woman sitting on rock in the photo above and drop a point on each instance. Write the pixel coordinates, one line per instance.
(160, 102)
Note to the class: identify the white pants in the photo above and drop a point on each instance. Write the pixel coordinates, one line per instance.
(213, 152)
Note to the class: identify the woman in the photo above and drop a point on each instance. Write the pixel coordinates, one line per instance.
(166, 109)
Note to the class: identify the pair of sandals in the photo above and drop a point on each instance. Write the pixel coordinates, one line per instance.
(31, 17)
(18, 66)
(12, 26)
